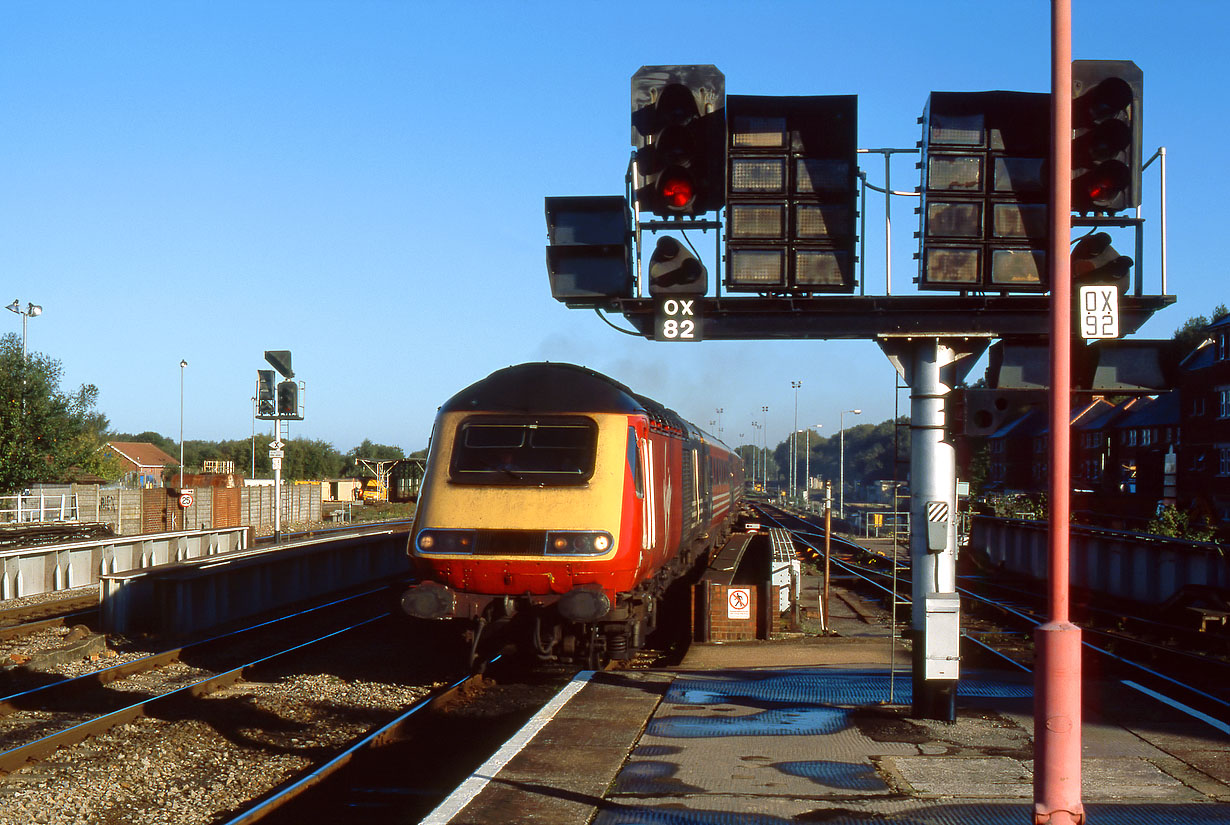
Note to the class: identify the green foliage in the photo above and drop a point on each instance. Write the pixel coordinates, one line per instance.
(1018, 506)
(45, 433)
(305, 459)
(1191, 333)
(978, 470)
(380, 452)
(752, 456)
(869, 453)
(168, 445)
(1176, 523)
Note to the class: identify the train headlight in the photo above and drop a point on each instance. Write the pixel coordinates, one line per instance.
(445, 541)
(578, 543)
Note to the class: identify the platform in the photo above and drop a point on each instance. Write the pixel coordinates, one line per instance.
(812, 729)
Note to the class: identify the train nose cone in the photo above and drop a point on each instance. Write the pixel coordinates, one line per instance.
(428, 601)
(584, 604)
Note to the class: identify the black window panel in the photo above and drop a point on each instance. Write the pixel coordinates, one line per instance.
(530, 452)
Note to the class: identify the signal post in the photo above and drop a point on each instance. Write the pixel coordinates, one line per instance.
(277, 404)
(995, 228)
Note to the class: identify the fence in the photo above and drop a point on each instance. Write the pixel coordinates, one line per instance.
(132, 512)
(38, 508)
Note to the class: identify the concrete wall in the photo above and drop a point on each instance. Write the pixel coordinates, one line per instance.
(132, 512)
(1125, 565)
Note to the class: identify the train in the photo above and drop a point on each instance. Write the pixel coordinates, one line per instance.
(558, 508)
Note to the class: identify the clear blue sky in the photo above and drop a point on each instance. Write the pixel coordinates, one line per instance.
(362, 183)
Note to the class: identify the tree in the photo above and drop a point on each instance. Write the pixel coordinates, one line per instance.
(168, 445)
(370, 450)
(45, 432)
(1191, 333)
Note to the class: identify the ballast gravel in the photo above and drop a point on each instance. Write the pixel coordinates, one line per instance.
(239, 743)
(211, 756)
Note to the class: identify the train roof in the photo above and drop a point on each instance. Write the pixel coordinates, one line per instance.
(556, 388)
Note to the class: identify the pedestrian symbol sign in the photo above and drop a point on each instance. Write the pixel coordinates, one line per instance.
(739, 603)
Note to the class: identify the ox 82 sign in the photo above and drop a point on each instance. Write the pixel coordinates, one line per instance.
(677, 319)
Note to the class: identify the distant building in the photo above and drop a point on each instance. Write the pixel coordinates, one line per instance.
(1011, 467)
(142, 462)
(1204, 452)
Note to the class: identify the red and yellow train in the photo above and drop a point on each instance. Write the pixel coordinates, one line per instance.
(559, 504)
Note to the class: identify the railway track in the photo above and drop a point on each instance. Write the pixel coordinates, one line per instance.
(1001, 624)
(55, 612)
(403, 770)
(202, 729)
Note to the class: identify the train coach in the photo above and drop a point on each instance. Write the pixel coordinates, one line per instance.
(557, 509)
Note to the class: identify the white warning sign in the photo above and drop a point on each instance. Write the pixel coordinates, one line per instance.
(739, 602)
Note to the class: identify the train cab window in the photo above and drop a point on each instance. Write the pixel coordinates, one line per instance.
(531, 452)
(634, 462)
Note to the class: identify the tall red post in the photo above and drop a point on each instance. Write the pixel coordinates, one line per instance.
(1057, 667)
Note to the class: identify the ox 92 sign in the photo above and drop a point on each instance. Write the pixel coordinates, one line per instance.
(1099, 311)
(677, 319)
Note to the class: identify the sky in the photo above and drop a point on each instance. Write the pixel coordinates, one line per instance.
(362, 183)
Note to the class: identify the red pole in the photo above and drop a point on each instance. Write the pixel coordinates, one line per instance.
(1057, 668)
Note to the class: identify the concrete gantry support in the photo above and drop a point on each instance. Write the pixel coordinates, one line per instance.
(931, 367)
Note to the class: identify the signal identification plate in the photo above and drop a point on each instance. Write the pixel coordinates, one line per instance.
(677, 319)
(1099, 311)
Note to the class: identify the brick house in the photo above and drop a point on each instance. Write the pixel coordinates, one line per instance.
(1011, 453)
(1040, 443)
(1204, 450)
(143, 462)
(1095, 450)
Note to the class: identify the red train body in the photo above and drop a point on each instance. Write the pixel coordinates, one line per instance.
(559, 502)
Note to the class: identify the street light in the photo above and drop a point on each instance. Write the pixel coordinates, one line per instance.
(31, 311)
(719, 421)
(794, 442)
(182, 365)
(755, 452)
(841, 482)
(807, 471)
(764, 462)
(253, 438)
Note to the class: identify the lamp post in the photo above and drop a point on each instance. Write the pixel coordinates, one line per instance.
(794, 444)
(807, 471)
(31, 311)
(841, 461)
(182, 365)
(253, 438)
(719, 421)
(764, 461)
(755, 451)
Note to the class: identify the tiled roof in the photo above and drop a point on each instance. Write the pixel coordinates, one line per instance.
(143, 454)
(1162, 411)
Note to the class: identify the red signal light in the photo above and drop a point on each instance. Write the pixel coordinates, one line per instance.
(678, 191)
(1107, 98)
(1104, 184)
